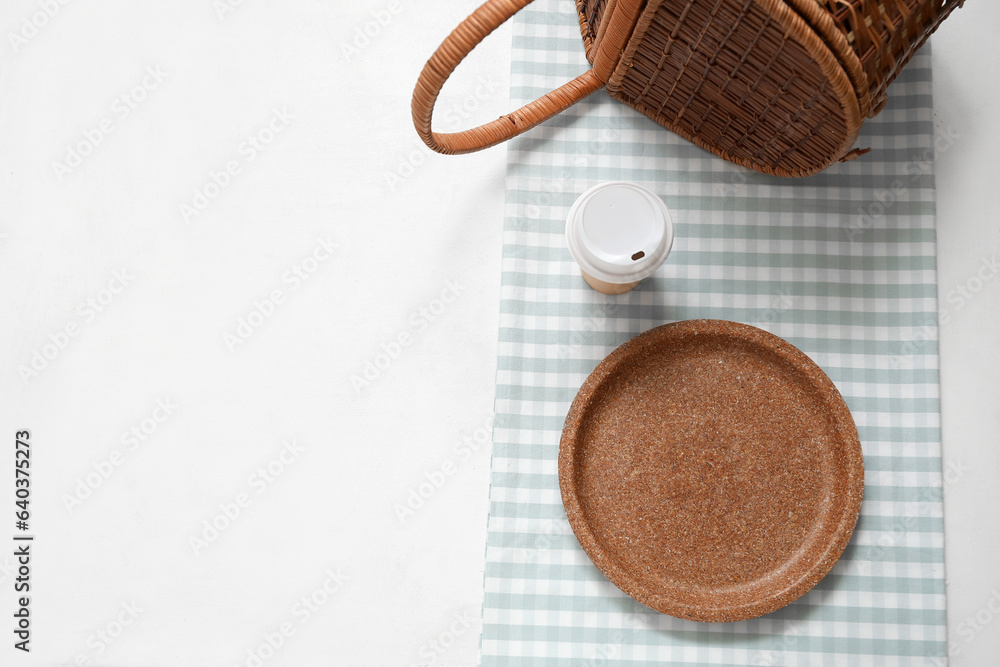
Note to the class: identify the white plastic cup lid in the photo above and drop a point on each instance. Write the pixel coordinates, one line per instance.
(619, 232)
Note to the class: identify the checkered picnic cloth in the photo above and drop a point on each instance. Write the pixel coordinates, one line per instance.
(842, 265)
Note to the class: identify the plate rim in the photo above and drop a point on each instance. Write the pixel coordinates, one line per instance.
(663, 602)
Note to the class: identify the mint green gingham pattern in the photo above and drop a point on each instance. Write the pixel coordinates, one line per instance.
(841, 264)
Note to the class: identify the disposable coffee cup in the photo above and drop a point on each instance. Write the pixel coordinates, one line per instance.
(618, 233)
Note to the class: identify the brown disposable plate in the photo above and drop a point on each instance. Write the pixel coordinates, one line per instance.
(711, 470)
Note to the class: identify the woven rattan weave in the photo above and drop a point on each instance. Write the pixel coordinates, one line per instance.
(780, 86)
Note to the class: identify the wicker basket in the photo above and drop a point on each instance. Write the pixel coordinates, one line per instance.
(780, 86)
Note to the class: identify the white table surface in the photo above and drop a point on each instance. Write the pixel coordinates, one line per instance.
(340, 164)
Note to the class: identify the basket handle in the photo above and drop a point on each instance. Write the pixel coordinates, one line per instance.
(473, 30)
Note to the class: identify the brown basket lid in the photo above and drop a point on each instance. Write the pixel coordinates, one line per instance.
(751, 82)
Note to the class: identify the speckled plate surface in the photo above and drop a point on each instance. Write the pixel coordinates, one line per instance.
(711, 470)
